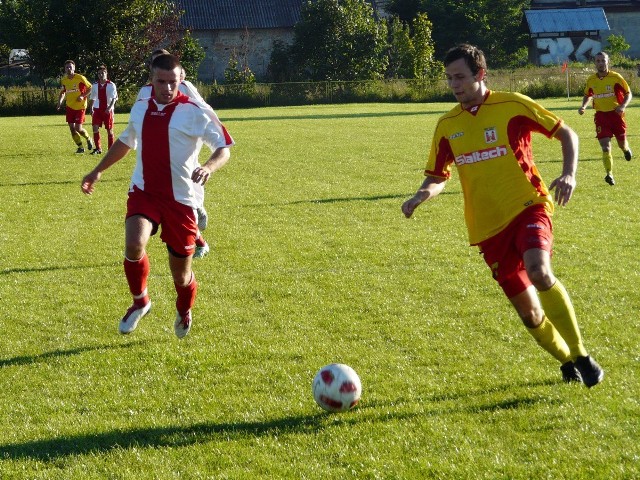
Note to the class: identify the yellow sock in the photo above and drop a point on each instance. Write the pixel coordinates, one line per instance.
(559, 310)
(548, 338)
(76, 138)
(607, 160)
(85, 134)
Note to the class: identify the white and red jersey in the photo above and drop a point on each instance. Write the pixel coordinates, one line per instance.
(103, 94)
(167, 139)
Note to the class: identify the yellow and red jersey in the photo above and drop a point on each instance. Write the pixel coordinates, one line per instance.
(490, 145)
(74, 87)
(607, 92)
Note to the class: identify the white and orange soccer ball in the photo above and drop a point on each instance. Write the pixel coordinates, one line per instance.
(336, 387)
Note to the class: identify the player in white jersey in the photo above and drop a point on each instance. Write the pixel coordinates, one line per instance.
(102, 100)
(162, 191)
(189, 89)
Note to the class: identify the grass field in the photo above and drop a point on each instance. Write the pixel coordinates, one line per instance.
(312, 262)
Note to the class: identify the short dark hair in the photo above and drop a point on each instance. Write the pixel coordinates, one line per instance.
(102, 67)
(157, 52)
(166, 61)
(472, 55)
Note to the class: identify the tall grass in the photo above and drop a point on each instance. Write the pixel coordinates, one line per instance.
(311, 263)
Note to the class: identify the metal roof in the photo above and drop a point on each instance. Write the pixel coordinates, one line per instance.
(560, 20)
(239, 14)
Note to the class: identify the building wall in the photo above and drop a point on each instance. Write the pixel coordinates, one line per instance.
(548, 51)
(626, 24)
(254, 45)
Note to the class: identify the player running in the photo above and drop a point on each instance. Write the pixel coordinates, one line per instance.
(167, 132)
(102, 101)
(507, 205)
(76, 89)
(611, 96)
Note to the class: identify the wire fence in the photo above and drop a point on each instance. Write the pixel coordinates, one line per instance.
(536, 83)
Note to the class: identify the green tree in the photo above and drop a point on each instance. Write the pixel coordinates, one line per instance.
(191, 54)
(340, 40)
(493, 25)
(236, 74)
(616, 46)
(281, 68)
(424, 65)
(118, 33)
(401, 50)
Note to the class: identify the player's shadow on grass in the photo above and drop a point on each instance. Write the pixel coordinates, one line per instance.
(74, 181)
(318, 201)
(54, 268)
(55, 354)
(156, 437)
(181, 436)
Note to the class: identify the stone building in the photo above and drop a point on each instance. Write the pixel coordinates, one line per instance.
(244, 28)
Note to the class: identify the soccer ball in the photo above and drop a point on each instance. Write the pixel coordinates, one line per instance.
(336, 387)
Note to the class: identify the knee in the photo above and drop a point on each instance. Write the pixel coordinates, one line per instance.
(182, 279)
(541, 276)
(532, 317)
(134, 250)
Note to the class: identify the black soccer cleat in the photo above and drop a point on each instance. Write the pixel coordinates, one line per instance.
(591, 373)
(628, 155)
(570, 373)
(609, 179)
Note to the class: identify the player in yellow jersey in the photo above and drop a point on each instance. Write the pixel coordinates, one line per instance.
(76, 89)
(611, 96)
(507, 205)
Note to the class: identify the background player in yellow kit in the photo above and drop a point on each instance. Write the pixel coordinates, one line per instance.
(611, 95)
(507, 205)
(76, 89)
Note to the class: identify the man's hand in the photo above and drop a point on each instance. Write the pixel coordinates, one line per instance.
(581, 110)
(200, 175)
(564, 187)
(89, 181)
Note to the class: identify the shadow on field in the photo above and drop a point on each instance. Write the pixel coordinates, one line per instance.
(156, 437)
(331, 116)
(373, 198)
(181, 436)
(43, 357)
(52, 268)
(75, 181)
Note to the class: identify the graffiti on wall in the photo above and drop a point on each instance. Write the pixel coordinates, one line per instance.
(552, 51)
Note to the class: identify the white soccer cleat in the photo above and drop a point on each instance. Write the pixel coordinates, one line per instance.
(201, 251)
(130, 320)
(182, 325)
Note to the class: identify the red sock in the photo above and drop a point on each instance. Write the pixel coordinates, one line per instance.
(137, 272)
(186, 296)
(110, 139)
(96, 140)
(200, 241)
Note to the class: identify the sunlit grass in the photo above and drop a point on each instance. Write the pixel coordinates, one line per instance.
(312, 262)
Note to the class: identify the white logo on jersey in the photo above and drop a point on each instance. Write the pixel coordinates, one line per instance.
(481, 155)
(456, 135)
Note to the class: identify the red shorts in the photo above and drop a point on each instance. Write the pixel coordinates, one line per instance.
(101, 117)
(503, 252)
(610, 124)
(178, 221)
(75, 116)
